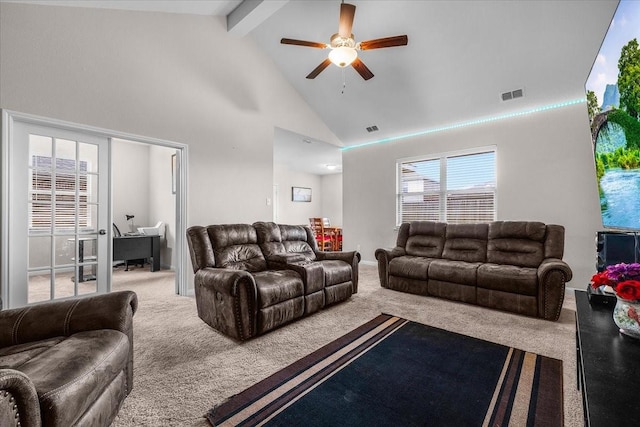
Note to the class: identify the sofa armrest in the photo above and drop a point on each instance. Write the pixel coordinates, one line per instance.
(553, 273)
(67, 317)
(19, 404)
(384, 256)
(226, 300)
(352, 258)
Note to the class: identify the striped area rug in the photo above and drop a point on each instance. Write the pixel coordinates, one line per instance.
(391, 371)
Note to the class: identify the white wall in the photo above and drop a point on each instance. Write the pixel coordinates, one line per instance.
(290, 212)
(162, 201)
(180, 78)
(130, 184)
(326, 196)
(332, 198)
(545, 173)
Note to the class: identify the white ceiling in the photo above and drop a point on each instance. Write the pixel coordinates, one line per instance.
(460, 57)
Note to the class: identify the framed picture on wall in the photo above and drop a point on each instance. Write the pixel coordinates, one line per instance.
(300, 194)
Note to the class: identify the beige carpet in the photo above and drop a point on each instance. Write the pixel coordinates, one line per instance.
(182, 367)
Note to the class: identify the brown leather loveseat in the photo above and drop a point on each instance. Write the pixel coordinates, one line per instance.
(250, 279)
(67, 363)
(507, 265)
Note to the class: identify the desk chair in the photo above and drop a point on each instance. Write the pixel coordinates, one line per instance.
(324, 239)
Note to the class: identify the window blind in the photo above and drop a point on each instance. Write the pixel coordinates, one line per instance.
(454, 188)
(55, 192)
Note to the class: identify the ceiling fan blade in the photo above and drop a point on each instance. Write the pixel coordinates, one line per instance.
(347, 12)
(384, 42)
(324, 64)
(303, 43)
(362, 69)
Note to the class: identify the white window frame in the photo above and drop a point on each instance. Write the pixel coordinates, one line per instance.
(443, 191)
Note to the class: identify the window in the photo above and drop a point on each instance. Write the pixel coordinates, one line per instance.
(454, 188)
(42, 190)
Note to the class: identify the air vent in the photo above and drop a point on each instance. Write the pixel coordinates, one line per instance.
(373, 128)
(518, 93)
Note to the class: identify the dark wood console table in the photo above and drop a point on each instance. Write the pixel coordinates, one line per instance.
(608, 367)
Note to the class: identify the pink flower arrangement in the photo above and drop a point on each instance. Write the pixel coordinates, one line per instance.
(623, 278)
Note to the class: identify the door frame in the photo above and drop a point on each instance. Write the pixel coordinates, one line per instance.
(9, 117)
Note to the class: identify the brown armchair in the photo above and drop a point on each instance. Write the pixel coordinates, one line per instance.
(68, 362)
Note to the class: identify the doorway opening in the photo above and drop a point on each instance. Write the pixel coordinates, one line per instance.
(58, 230)
(143, 206)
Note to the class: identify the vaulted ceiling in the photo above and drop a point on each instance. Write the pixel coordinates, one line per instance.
(461, 56)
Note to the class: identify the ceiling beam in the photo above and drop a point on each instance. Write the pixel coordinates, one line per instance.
(251, 13)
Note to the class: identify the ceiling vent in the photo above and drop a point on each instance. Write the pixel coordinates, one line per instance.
(518, 93)
(373, 128)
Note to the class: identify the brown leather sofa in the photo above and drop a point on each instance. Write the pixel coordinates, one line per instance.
(514, 266)
(66, 363)
(250, 279)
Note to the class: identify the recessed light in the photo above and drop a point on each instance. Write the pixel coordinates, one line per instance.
(308, 141)
(332, 167)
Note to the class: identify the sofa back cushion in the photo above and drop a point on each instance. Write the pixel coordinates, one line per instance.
(425, 238)
(297, 239)
(519, 243)
(466, 242)
(235, 246)
(277, 239)
(200, 248)
(269, 238)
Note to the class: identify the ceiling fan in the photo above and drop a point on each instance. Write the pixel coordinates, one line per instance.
(344, 49)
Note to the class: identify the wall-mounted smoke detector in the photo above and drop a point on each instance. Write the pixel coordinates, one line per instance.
(373, 128)
(518, 93)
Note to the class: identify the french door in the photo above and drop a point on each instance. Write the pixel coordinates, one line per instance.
(58, 217)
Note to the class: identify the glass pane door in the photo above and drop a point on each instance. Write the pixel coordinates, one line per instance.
(59, 214)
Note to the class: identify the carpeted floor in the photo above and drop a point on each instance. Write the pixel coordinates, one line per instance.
(182, 367)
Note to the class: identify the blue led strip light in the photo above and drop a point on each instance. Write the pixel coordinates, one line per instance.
(469, 123)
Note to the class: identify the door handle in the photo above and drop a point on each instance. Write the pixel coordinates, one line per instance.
(102, 232)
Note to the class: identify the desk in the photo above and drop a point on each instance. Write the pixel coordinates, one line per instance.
(127, 248)
(608, 367)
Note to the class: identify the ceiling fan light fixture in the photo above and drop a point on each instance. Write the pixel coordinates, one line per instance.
(343, 56)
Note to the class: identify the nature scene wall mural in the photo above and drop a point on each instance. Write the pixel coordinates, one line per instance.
(613, 100)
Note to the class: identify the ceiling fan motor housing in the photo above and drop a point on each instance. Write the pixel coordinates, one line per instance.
(337, 41)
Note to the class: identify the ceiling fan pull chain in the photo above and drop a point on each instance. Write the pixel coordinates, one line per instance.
(344, 82)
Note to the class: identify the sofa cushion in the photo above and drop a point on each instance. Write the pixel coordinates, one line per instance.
(508, 278)
(518, 243)
(412, 267)
(335, 271)
(277, 239)
(236, 247)
(70, 375)
(466, 242)
(15, 356)
(425, 239)
(276, 286)
(460, 272)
